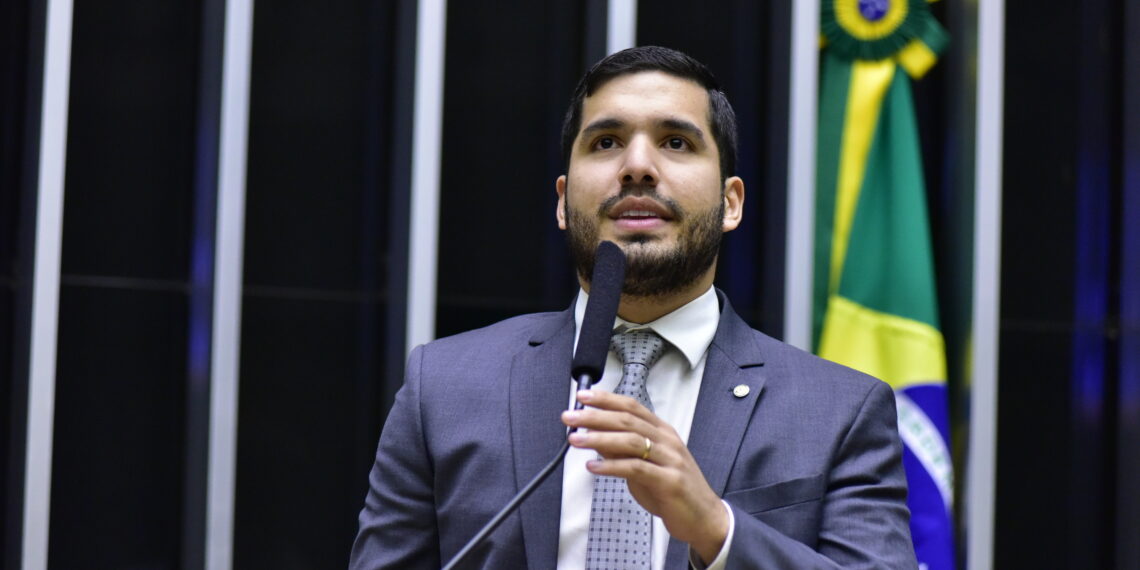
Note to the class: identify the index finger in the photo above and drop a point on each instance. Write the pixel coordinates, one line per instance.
(618, 403)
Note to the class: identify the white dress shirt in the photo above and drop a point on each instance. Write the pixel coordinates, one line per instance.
(673, 385)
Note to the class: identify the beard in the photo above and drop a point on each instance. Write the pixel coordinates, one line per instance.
(652, 268)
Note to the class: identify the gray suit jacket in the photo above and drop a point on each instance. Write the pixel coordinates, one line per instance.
(809, 460)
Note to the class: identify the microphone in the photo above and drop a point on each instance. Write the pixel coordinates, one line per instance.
(587, 367)
(598, 322)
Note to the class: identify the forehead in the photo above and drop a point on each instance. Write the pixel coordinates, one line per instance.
(648, 95)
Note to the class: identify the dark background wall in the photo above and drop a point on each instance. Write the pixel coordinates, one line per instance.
(324, 97)
(507, 75)
(118, 454)
(20, 76)
(1058, 483)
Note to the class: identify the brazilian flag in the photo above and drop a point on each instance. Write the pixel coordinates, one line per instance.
(875, 307)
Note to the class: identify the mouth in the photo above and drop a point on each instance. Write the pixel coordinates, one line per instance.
(639, 209)
(639, 216)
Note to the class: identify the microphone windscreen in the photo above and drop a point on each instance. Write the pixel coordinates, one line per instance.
(598, 322)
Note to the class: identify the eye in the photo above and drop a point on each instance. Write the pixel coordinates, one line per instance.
(605, 143)
(676, 143)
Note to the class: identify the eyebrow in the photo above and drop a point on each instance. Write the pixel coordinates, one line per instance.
(685, 127)
(606, 124)
(671, 124)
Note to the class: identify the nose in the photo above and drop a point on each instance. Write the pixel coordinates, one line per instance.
(639, 164)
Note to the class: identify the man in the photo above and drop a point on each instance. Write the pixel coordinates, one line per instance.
(747, 452)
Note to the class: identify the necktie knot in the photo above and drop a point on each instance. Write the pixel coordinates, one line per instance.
(641, 346)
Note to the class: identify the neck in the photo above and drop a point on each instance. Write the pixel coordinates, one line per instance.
(646, 309)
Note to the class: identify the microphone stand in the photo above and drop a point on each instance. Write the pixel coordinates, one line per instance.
(584, 383)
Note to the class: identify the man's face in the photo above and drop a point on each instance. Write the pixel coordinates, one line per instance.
(645, 174)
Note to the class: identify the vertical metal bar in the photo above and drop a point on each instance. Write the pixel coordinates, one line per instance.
(801, 173)
(427, 139)
(982, 462)
(45, 295)
(229, 241)
(621, 25)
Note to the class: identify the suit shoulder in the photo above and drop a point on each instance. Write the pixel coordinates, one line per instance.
(805, 367)
(459, 366)
(509, 333)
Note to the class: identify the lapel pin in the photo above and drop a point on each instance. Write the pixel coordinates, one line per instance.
(740, 391)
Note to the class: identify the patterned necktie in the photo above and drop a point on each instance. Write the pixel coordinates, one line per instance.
(621, 531)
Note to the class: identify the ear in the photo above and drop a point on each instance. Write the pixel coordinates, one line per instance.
(560, 209)
(733, 202)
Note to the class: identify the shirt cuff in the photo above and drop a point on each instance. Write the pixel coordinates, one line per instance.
(721, 559)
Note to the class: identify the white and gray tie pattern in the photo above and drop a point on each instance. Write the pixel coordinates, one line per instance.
(621, 531)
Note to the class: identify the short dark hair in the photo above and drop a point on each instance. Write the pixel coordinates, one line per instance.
(655, 58)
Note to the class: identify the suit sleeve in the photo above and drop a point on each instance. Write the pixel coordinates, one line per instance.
(864, 522)
(398, 524)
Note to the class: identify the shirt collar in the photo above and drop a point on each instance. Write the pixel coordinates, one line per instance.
(690, 328)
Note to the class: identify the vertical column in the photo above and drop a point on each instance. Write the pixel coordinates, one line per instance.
(981, 471)
(427, 136)
(621, 25)
(45, 295)
(801, 173)
(228, 283)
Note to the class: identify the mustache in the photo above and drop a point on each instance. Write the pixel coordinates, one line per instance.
(671, 206)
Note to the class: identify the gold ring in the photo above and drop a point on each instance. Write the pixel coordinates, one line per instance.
(648, 448)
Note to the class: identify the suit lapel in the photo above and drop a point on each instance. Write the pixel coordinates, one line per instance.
(722, 416)
(539, 390)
